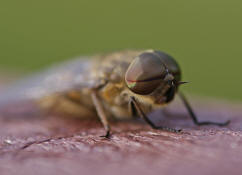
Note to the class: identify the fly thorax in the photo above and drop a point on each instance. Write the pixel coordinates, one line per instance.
(110, 93)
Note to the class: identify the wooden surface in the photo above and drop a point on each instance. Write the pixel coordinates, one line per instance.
(38, 144)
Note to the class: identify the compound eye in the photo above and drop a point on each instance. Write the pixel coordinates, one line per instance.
(145, 73)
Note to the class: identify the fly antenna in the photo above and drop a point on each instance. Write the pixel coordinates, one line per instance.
(182, 82)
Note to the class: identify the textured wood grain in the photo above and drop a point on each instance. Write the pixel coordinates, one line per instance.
(40, 144)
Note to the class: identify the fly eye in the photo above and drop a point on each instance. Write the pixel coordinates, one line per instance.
(145, 73)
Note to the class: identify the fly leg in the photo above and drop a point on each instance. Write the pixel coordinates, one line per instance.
(101, 113)
(132, 109)
(147, 120)
(194, 117)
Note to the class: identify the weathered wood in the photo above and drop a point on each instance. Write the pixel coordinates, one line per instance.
(53, 145)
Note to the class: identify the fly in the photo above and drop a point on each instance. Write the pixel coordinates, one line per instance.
(120, 85)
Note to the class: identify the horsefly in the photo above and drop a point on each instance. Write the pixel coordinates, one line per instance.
(120, 85)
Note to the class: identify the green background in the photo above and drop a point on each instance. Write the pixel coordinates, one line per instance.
(204, 36)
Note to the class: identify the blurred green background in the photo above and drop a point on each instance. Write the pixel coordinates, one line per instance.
(204, 36)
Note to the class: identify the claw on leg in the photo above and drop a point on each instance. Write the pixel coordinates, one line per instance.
(168, 129)
(107, 135)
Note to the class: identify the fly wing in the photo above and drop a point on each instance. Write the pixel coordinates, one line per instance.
(70, 75)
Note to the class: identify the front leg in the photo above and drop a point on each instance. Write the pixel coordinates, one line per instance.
(132, 109)
(147, 120)
(101, 113)
(194, 117)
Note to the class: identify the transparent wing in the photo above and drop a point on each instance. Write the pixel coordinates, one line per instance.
(69, 75)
